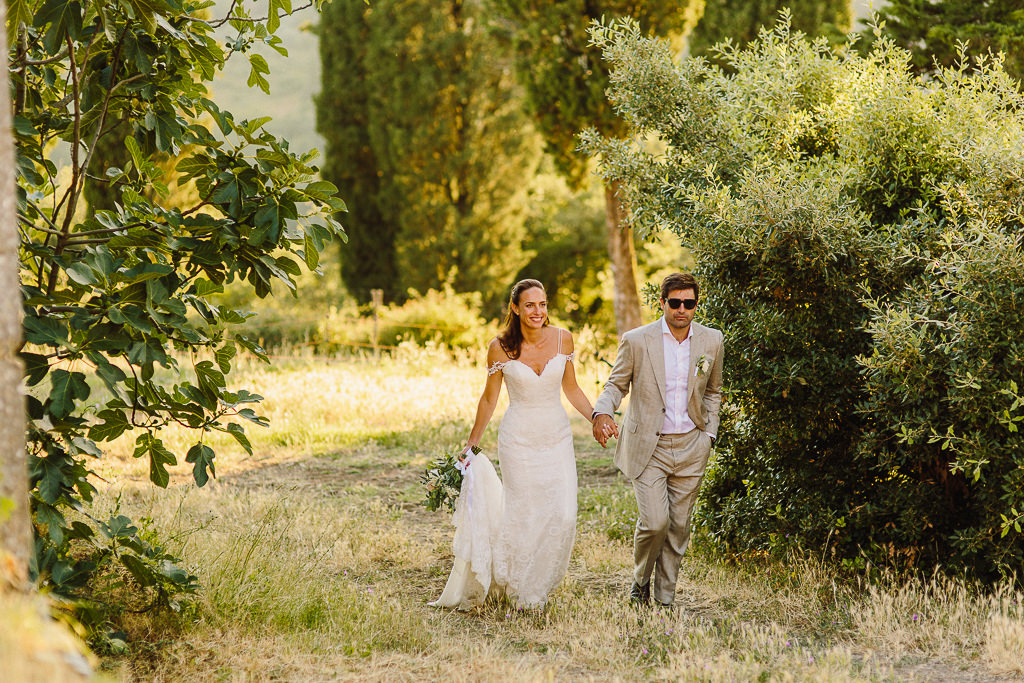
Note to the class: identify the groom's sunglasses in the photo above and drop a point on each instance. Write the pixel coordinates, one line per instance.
(688, 304)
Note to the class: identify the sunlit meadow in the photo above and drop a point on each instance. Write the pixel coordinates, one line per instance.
(317, 561)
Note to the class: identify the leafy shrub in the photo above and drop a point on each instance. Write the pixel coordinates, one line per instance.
(122, 297)
(858, 232)
(438, 317)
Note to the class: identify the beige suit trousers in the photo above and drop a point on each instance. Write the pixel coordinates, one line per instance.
(665, 493)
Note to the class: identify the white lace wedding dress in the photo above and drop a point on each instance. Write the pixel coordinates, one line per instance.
(515, 535)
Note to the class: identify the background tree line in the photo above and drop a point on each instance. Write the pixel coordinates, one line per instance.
(493, 92)
(467, 101)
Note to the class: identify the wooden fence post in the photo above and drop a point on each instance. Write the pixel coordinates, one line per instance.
(377, 295)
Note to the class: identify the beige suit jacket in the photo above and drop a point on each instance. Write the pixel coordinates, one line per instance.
(640, 368)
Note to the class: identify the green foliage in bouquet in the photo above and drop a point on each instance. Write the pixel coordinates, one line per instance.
(443, 480)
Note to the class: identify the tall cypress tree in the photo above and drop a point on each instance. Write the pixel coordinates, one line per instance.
(368, 261)
(433, 135)
(740, 21)
(931, 29)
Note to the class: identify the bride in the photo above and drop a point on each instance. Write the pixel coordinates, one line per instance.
(514, 536)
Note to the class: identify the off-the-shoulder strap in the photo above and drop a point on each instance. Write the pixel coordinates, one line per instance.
(497, 367)
(568, 356)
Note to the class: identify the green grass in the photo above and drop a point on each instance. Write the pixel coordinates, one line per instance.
(317, 561)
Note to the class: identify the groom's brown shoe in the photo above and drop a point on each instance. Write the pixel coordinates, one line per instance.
(640, 595)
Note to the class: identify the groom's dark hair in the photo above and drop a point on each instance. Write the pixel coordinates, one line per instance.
(679, 281)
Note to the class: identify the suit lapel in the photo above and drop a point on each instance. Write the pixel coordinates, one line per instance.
(656, 352)
(696, 350)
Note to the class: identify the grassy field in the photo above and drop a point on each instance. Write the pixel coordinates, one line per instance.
(317, 562)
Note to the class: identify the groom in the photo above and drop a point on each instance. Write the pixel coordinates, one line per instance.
(674, 368)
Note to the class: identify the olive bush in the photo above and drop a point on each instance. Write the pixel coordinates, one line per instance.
(858, 232)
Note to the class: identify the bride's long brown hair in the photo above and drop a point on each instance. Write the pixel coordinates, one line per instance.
(511, 336)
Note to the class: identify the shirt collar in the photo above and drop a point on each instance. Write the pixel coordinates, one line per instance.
(665, 330)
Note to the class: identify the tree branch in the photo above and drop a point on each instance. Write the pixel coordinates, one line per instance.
(250, 20)
(21, 61)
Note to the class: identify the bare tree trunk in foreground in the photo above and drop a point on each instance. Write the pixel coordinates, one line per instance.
(15, 529)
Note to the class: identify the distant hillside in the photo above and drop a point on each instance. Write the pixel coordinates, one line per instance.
(293, 82)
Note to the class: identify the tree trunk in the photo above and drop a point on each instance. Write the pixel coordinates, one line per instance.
(623, 259)
(15, 528)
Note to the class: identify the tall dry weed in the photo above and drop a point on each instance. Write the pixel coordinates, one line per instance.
(938, 615)
(1004, 634)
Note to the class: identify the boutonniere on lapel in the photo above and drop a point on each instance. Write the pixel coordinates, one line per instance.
(701, 366)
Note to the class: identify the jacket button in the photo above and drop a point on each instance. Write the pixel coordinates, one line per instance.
(663, 410)
(657, 433)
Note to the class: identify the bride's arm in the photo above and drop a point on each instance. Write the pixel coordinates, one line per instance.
(571, 388)
(488, 399)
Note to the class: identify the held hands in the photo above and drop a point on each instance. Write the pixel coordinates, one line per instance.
(605, 428)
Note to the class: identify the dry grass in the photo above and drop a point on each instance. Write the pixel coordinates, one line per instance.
(317, 563)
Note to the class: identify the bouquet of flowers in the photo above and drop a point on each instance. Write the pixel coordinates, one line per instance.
(443, 480)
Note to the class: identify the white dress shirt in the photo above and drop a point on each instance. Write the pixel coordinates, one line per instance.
(677, 382)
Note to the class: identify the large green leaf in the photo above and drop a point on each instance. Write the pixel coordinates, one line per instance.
(51, 483)
(223, 356)
(36, 367)
(236, 430)
(159, 458)
(114, 424)
(145, 11)
(65, 389)
(210, 378)
(63, 17)
(53, 519)
(201, 457)
(274, 13)
(310, 254)
(229, 192)
(139, 571)
(257, 68)
(45, 331)
(81, 273)
(18, 12)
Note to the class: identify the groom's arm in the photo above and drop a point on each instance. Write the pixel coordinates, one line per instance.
(713, 391)
(617, 386)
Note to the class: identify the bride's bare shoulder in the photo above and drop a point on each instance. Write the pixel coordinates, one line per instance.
(561, 335)
(495, 352)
